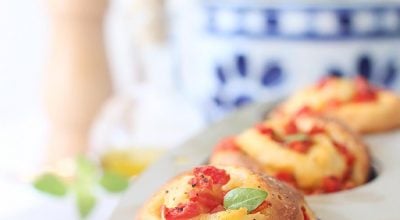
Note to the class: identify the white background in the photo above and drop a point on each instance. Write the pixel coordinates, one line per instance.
(24, 34)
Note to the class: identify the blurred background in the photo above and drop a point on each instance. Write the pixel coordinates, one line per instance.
(91, 92)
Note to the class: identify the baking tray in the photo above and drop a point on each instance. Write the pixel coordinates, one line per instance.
(378, 199)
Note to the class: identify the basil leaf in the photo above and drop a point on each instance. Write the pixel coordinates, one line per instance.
(50, 184)
(248, 198)
(86, 202)
(296, 137)
(114, 182)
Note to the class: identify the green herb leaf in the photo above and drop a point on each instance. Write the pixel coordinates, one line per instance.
(86, 202)
(114, 182)
(296, 137)
(50, 184)
(248, 198)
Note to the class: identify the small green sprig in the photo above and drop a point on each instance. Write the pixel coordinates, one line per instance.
(88, 176)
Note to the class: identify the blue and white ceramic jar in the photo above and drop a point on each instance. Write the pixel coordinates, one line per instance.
(262, 50)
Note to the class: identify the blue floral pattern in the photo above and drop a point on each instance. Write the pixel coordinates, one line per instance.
(226, 96)
(285, 47)
(385, 76)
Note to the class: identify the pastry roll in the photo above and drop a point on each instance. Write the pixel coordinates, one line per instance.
(362, 106)
(312, 153)
(225, 193)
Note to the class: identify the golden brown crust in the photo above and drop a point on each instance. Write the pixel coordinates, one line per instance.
(285, 202)
(305, 168)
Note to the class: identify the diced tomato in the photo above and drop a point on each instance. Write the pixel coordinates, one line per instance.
(265, 130)
(364, 91)
(218, 209)
(300, 146)
(331, 184)
(208, 199)
(268, 132)
(286, 177)
(316, 130)
(305, 110)
(218, 176)
(206, 195)
(305, 215)
(349, 157)
(201, 182)
(227, 144)
(182, 211)
(261, 207)
(291, 127)
(364, 96)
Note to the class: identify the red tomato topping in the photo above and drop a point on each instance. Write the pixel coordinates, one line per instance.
(305, 110)
(182, 211)
(286, 177)
(300, 146)
(364, 91)
(331, 184)
(291, 127)
(218, 209)
(227, 144)
(346, 154)
(265, 130)
(206, 195)
(217, 176)
(209, 199)
(316, 130)
(349, 157)
(268, 132)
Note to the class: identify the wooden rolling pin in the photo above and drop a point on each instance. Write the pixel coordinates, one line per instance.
(77, 80)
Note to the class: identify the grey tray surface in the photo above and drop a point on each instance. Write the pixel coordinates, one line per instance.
(379, 199)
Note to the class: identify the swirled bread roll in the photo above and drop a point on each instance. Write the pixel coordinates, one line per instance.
(202, 194)
(362, 106)
(312, 153)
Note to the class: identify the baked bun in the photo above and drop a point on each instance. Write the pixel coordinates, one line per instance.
(365, 108)
(313, 154)
(200, 194)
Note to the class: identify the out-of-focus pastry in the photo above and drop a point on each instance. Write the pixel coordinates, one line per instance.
(362, 106)
(313, 154)
(225, 193)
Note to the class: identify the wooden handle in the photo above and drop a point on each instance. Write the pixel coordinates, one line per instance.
(77, 80)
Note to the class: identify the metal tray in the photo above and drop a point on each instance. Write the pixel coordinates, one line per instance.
(378, 199)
